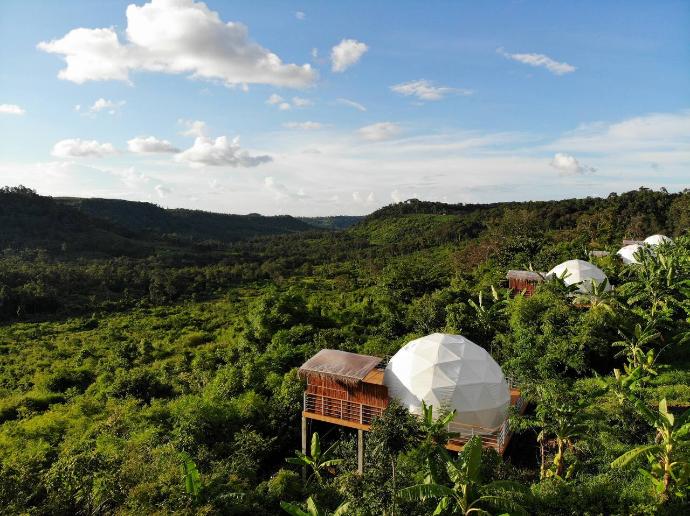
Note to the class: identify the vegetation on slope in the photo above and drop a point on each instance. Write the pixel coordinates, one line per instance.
(114, 372)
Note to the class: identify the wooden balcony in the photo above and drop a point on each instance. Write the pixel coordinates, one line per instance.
(340, 411)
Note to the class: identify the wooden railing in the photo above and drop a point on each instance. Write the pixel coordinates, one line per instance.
(341, 409)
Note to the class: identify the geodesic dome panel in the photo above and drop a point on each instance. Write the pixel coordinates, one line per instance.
(453, 373)
(627, 253)
(656, 240)
(581, 273)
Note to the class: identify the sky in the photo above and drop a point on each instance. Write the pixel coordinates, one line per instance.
(326, 108)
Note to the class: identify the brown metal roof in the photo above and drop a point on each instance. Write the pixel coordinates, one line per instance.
(526, 275)
(349, 368)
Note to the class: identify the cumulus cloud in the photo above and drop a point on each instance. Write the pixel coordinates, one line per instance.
(347, 53)
(194, 127)
(567, 164)
(425, 90)
(162, 191)
(11, 109)
(150, 145)
(284, 105)
(281, 192)
(174, 36)
(219, 152)
(78, 148)
(108, 105)
(396, 196)
(359, 199)
(351, 103)
(379, 132)
(541, 60)
(301, 102)
(300, 15)
(306, 126)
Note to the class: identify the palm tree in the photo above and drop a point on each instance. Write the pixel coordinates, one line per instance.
(667, 460)
(312, 509)
(318, 462)
(467, 495)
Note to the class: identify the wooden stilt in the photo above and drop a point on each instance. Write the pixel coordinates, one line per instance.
(305, 439)
(360, 451)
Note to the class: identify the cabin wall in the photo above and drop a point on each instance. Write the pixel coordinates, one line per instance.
(517, 285)
(364, 393)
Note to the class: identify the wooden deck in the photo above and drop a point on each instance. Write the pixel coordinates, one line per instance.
(352, 414)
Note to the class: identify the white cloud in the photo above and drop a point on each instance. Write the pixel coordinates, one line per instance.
(567, 164)
(379, 132)
(281, 192)
(346, 53)
(370, 198)
(274, 99)
(425, 90)
(396, 196)
(11, 109)
(162, 191)
(306, 126)
(78, 148)
(542, 60)
(284, 105)
(150, 145)
(315, 53)
(174, 36)
(351, 103)
(300, 15)
(194, 127)
(109, 105)
(132, 178)
(219, 152)
(301, 102)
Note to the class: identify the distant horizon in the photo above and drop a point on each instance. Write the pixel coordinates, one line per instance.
(294, 215)
(279, 107)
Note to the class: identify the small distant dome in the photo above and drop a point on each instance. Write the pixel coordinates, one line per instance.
(627, 253)
(450, 372)
(656, 240)
(581, 273)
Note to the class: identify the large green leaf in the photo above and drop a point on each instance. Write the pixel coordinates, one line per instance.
(472, 455)
(292, 509)
(315, 445)
(424, 491)
(631, 455)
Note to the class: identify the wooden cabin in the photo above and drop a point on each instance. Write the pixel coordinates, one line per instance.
(343, 389)
(524, 281)
(347, 389)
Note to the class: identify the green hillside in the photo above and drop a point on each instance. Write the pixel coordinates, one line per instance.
(192, 225)
(117, 369)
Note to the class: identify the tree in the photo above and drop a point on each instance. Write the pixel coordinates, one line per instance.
(318, 462)
(669, 464)
(634, 345)
(467, 495)
(435, 436)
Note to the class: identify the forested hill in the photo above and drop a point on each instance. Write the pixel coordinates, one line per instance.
(191, 225)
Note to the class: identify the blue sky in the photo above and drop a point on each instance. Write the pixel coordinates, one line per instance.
(315, 108)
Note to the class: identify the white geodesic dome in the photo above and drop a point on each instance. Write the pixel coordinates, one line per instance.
(656, 240)
(581, 273)
(449, 372)
(627, 253)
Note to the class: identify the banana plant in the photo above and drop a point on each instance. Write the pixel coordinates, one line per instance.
(317, 462)
(312, 509)
(190, 475)
(668, 459)
(634, 345)
(467, 495)
(435, 436)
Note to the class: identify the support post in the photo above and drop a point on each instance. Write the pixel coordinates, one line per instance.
(305, 438)
(360, 451)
